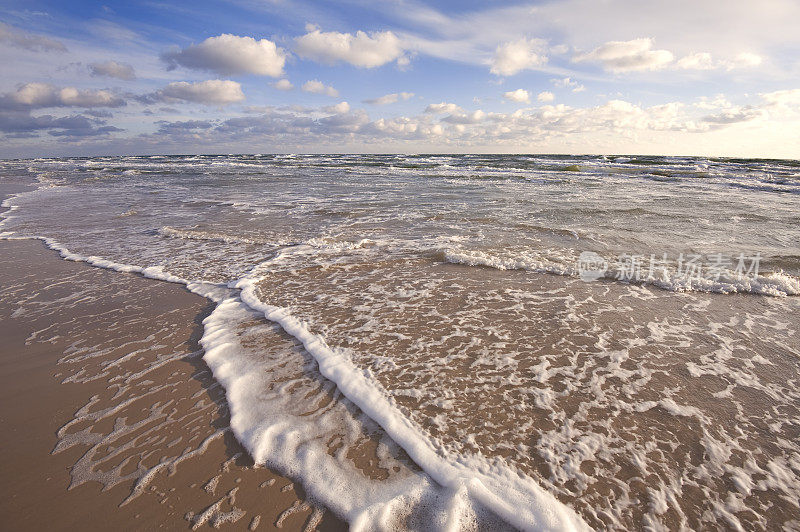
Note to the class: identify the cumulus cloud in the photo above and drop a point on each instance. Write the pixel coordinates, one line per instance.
(390, 98)
(283, 85)
(362, 50)
(546, 96)
(293, 126)
(404, 127)
(112, 69)
(476, 127)
(41, 95)
(29, 41)
(443, 107)
(620, 116)
(515, 56)
(519, 95)
(568, 83)
(317, 87)
(230, 55)
(624, 56)
(211, 92)
(339, 108)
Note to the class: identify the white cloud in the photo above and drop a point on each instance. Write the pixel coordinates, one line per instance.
(616, 126)
(704, 61)
(717, 102)
(732, 116)
(519, 95)
(29, 41)
(362, 50)
(546, 96)
(229, 55)
(681, 27)
(744, 60)
(465, 118)
(787, 97)
(623, 56)
(41, 95)
(390, 98)
(383, 100)
(559, 49)
(512, 57)
(283, 85)
(113, 69)
(317, 87)
(211, 92)
(443, 107)
(339, 108)
(344, 122)
(568, 83)
(697, 61)
(617, 118)
(403, 127)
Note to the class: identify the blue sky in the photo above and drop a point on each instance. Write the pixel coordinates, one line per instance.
(259, 76)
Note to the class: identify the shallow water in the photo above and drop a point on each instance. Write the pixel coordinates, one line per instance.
(444, 297)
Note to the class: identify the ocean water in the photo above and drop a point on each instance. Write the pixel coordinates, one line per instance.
(532, 342)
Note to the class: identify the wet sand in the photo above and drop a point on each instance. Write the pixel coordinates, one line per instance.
(110, 417)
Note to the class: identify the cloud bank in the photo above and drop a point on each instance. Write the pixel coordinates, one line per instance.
(43, 95)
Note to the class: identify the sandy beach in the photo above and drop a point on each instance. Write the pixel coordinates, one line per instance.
(111, 418)
(179, 329)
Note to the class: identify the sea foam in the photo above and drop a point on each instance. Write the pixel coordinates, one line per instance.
(453, 492)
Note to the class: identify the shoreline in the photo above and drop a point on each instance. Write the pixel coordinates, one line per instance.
(77, 418)
(501, 373)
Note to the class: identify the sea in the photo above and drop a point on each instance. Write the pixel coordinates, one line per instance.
(453, 342)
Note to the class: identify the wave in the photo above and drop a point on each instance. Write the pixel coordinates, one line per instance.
(455, 491)
(776, 284)
(508, 262)
(472, 481)
(196, 234)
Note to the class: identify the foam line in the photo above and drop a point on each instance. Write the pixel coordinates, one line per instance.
(519, 501)
(776, 284)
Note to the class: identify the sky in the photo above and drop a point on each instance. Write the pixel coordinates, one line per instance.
(678, 77)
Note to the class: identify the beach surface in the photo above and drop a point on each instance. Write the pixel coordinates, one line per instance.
(111, 419)
(420, 342)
